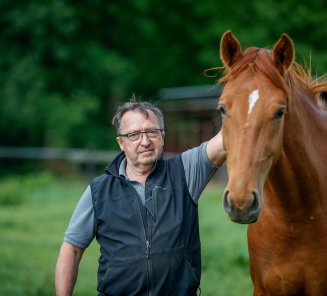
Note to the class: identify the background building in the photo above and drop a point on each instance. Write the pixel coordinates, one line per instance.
(191, 118)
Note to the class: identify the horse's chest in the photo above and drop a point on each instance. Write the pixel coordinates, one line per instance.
(287, 264)
(288, 279)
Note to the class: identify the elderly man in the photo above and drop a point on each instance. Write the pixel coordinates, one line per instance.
(143, 212)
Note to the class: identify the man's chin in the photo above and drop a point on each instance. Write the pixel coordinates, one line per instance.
(148, 159)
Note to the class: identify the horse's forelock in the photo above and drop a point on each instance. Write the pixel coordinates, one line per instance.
(255, 59)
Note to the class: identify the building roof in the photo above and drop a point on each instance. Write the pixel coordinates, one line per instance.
(189, 98)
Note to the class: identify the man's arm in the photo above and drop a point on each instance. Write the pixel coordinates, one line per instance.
(215, 150)
(67, 269)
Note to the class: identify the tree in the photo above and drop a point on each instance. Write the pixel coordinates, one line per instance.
(65, 65)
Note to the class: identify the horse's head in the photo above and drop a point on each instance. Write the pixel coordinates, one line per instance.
(253, 104)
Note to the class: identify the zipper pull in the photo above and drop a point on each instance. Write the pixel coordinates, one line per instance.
(147, 249)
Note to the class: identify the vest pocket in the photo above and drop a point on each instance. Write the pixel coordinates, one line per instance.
(101, 284)
(186, 281)
(124, 277)
(174, 274)
(193, 271)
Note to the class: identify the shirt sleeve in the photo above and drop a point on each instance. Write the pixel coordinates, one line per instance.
(198, 170)
(81, 228)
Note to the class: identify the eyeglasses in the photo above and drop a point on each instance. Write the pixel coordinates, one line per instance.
(152, 134)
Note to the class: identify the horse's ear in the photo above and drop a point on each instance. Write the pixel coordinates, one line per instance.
(283, 53)
(230, 49)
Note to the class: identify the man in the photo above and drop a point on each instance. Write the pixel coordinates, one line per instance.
(143, 212)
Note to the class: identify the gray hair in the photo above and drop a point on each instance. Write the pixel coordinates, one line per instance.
(134, 105)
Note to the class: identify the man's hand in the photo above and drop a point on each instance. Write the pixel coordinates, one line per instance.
(215, 150)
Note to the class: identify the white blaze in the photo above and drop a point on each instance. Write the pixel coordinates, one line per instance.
(253, 98)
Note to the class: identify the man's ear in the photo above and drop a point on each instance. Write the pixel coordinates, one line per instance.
(119, 141)
(163, 137)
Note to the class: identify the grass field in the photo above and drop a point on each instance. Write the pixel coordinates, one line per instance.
(31, 235)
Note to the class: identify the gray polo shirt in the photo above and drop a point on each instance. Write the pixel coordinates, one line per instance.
(198, 172)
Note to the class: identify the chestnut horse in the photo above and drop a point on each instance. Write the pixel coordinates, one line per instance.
(274, 126)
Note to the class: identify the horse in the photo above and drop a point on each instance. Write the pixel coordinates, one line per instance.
(274, 129)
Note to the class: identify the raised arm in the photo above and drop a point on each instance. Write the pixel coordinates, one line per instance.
(67, 269)
(215, 150)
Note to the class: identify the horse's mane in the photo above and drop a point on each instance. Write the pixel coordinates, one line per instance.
(295, 78)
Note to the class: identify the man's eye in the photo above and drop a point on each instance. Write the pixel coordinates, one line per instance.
(151, 132)
(133, 135)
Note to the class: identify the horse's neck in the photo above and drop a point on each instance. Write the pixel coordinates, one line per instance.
(297, 180)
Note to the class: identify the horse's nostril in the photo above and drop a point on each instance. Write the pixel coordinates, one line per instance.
(255, 203)
(226, 202)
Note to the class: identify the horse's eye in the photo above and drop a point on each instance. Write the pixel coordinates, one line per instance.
(222, 109)
(280, 113)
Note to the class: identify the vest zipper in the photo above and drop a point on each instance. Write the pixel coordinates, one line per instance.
(147, 244)
(147, 249)
(148, 260)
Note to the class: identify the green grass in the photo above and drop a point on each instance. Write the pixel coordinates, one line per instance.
(224, 249)
(31, 235)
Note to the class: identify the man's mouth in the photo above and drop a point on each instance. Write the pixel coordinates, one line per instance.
(147, 151)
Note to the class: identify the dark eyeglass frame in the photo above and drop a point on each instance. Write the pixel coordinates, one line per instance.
(141, 133)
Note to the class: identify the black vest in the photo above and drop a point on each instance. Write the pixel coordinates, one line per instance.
(147, 250)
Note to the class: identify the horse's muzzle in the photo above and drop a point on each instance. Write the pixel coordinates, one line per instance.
(243, 211)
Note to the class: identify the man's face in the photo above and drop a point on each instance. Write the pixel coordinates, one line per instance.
(144, 151)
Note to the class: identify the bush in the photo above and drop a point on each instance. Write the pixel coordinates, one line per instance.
(35, 181)
(13, 189)
(11, 193)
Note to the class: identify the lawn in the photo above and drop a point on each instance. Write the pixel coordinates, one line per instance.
(32, 233)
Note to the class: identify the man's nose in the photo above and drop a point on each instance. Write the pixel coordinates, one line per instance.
(145, 139)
